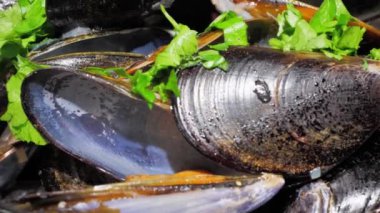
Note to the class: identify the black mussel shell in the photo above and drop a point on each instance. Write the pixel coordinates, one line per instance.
(101, 123)
(187, 191)
(84, 60)
(142, 41)
(352, 187)
(292, 113)
(108, 13)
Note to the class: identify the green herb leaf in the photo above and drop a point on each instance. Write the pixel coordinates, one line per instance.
(212, 59)
(375, 54)
(288, 20)
(181, 48)
(220, 47)
(234, 28)
(327, 31)
(330, 14)
(365, 64)
(141, 83)
(171, 86)
(17, 120)
(33, 17)
(351, 39)
(161, 78)
(20, 26)
(20, 23)
(113, 72)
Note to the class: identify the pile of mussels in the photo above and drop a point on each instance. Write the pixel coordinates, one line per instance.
(307, 121)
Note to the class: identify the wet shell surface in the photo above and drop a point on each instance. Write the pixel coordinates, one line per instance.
(101, 123)
(353, 187)
(295, 114)
(188, 191)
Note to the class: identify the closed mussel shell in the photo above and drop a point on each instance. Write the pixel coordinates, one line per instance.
(295, 114)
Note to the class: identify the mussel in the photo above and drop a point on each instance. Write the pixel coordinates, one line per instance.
(83, 60)
(297, 114)
(183, 192)
(353, 187)
(141, 41)
(102, 123)
(280, 112)
(136, 122)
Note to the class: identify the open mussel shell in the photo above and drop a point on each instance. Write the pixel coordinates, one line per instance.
(142, 41)
(183, 192)
(294, 113)
(101, 123)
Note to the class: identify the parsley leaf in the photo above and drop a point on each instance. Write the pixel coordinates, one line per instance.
(375, 54)
(21, 25)
(212, 59)
(113, 72)
(181, 48)
(234, 28)
(182, 52)
(365, 64)
(17, 120)
(326, 32)
(332, 13)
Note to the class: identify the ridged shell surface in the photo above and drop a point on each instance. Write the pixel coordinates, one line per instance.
(279, 112)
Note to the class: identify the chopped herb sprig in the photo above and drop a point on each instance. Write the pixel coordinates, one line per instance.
(375, 54)
(18, 122)
(327, 31)
(21, 26)
(182, 52)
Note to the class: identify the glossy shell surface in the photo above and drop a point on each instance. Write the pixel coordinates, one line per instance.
(101, 123)
(279, 112)
(183, 192)
(353, 187)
